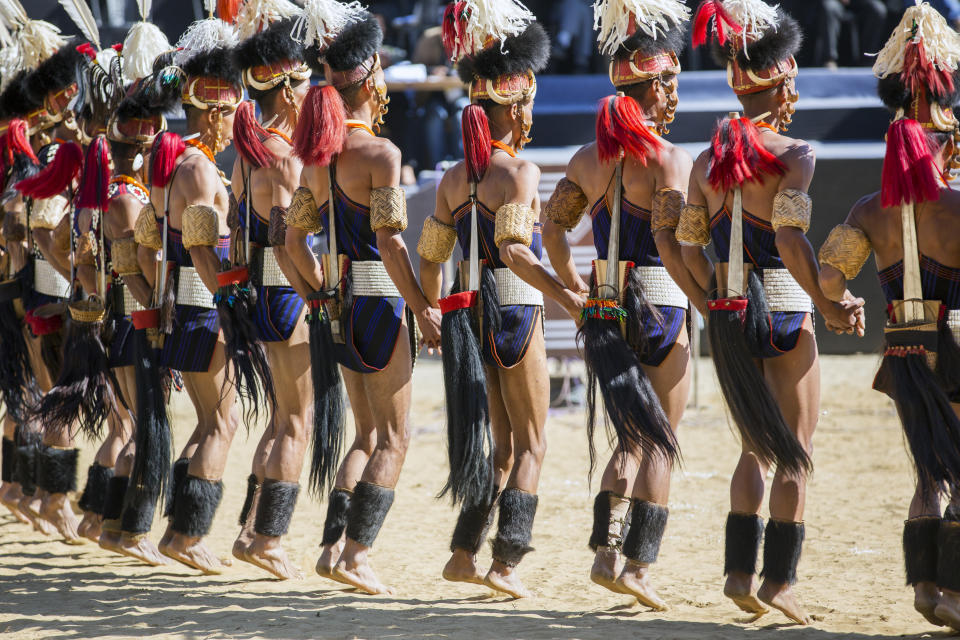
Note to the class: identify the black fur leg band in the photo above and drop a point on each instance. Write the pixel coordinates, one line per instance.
(137, 518)
(647, 524)
(368, 509)
(920, 548)
(952, 513)
(515, 526)
(610, 514)
(782, 545)
(57, 470)
(472, 525)
(275, 509)
(252, 485)
(95, 491)
(6, 465)
(336, 522)
(177, 473)
(196, 506)
(743, 534)
(25, 468)
(948, 556)
(116, 492)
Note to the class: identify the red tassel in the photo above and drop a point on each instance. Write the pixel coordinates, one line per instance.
(621, 127)
(117, 46)
(228, 10)
(248, 136)
(738, 156)
(920, 74)
(452, 27)
(321, 130)
(87, 49)
(18, 142)
(713, 9)
(909, 171)
(476, 141)
(96, 176)
(163, 157)
(57, 176)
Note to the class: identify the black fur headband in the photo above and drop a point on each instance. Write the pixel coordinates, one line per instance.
(529, 50)
(56, 72)
(216, 63)
(775, 46)
(274, 44)
(356, 44)
(673, 40)
(16, 101)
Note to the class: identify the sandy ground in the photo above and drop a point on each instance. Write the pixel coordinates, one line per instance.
(851, 572)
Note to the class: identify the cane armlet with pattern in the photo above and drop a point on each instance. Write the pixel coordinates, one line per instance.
(514, 224)
(437, 241)
(61, 236)
(47, 213)
(86, 249)
(388, 209)
(123, 253)
(666, 210)
(846, 250)
(145, 231)
(566, 206)
(792, 208)
(303, 212)
(277, 231)
(694, 227)
(201, 226)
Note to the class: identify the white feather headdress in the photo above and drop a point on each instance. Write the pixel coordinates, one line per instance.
(653, 17)
(755, 16)
(80, 13)
(322, 20)
(478, 21)
(38, 40)
(257, 15)
(144, 42)
(941, 44)
(204, 35)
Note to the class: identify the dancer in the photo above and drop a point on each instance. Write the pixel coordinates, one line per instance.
(645, 178)
(909, 225)
(748, 195)
(367, 276)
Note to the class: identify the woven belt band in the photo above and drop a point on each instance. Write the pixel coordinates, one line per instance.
(271, 274)
(783, 292)
(660, 289)
(130, 303)
(48, 281)
(191, 291)
(513, 291)
(370, 279)
(953, 321)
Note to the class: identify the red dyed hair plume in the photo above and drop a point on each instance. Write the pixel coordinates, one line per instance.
(909, 170)
(321, 130)
(228, 10)
(620, 127)
(167, 147)
(453, 27)
(96, 176)
(248, 136)
(737, 155)
(17, 142)
(919, 74)
(713, 10)
(56, 177)
(476, 142)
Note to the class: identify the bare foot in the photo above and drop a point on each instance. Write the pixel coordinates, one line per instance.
(57, 510)
(926, 597)
(948, 609)
(267, 553)
(635, 580)
(89, 526)
(354, 569)
(193, 553)
(782, 597)
(505, 580)
(607, 565)
(30, 506)
(742, 589)
(140, 547)
(462, 567)
(110, 541)
(241, 546)
(329, 556)
(10, 497)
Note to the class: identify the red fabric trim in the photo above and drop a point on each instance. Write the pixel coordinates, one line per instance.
(727, 304)
(464, 300)
(146, 319)
(237, 275)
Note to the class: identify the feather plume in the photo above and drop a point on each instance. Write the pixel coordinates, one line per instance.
(38, 41)
(143, 8)
(322, 20)
(920, 23)
(210, 6)
(475, 22)
(143, 44)
(754, 16)
(257, 15)
(13, 13)
(203, 36)
(80, 13)
(655, 18)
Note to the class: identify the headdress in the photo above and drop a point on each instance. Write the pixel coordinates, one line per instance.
(204, 62)
(642, 37)
(143, 45)
(271, 57)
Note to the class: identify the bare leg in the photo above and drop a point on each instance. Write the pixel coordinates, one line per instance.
(10, 494)
(241, 545)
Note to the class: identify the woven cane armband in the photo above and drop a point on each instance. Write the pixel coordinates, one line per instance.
(303, 213)
(667, 207)
(201, 228)
(86, 251)
(567, 205)
(437, 241)
(792, 208)
(388, 209)
(694, 227)
(145, 231)
(47, 213)
(846, 250)
(514, 224)
(123, 253)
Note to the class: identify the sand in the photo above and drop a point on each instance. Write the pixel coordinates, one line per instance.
(852, 578)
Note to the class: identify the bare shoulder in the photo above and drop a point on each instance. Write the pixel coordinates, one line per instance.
(864, 212)
(797, 152)
(701, 165)
(675, 157)
(523, 170)
(195, 176)
(379, 151)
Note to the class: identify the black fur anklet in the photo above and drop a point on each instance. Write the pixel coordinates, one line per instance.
(647, 524)
(177, 473)
(57, 470)
(275, 509)
(252, 485)
(948, 556)
(336, 522)
(782, 545)
(472, 526)
(743, 534)
(95, 491)
(515, 526)
(25, 468)
(920, 548)
(368, 509)
(6, 464)
(196, 506)
(610, 520)
(137, 518)
(113, 502)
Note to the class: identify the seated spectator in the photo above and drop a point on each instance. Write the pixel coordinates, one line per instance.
(869, 18)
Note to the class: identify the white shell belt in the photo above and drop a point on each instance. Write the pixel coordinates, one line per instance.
(271, 275)
(191, 291)
(783, 292)
(660, 289)
(48, 281)
(370, 279)
(513, 291)
(130, 303)
(953, 321)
